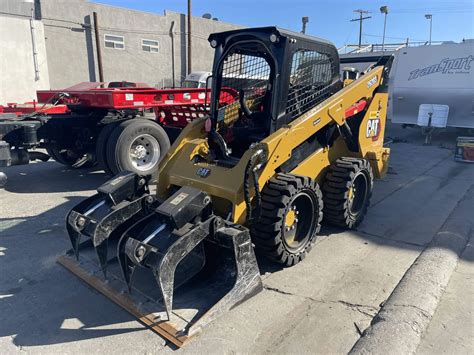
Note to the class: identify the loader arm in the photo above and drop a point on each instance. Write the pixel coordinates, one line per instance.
(284, 141)
(227, 185)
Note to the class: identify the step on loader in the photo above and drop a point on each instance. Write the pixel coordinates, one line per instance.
(257, 175)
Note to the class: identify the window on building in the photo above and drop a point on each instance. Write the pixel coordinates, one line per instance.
(116, 42)
(149, 45)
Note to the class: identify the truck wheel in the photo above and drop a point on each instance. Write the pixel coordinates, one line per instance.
(289, 219)
(137, 145)
(346, 192)
(101, 146)
(71, 158)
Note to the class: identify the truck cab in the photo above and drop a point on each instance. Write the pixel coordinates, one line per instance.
(196, 79)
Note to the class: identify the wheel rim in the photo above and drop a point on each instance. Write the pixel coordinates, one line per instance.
(144, 152)
(298, 223)
(358, 194)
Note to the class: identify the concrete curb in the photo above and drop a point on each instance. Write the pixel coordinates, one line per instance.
(400, 323)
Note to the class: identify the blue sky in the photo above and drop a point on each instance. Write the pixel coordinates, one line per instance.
(330, 19)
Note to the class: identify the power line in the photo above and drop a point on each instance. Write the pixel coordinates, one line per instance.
(361, 19)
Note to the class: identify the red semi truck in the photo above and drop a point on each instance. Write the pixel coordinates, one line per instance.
(121, 126)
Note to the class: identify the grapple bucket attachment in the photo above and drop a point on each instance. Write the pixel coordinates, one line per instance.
(172, 242)
(118, 203)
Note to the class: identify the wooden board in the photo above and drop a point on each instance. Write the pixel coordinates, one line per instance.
(166, 329)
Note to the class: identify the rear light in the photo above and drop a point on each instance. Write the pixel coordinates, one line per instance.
(157, 98)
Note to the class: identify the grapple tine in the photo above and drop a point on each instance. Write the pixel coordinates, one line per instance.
(118, 204)
(77, 220)
(247, 281)
(165, 273)
(125, 244)
(170, 241)
(102, 251)
(127, 267)
(74, 236)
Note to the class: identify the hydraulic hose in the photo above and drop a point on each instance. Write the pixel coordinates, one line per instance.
(251, 170)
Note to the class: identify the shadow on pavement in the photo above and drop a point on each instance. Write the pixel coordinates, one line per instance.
(47, 177)
(41, 303)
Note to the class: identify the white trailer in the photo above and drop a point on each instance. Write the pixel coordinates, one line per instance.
(436, 76)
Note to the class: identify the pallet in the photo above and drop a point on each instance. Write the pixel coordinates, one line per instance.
(166, 329)
(190, 301)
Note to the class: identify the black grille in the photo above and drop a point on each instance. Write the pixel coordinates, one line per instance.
(310, 79)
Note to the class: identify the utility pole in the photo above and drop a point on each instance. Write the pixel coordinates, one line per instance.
(189, 36)
(97, 46)
(304, 20)
(384, 10)
(430, 17)
(172, 53)
(360, 19)
(33, 41)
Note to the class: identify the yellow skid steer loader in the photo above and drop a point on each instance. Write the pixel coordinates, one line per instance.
(290, 147)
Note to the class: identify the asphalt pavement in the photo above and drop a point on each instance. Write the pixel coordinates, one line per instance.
(323, 305)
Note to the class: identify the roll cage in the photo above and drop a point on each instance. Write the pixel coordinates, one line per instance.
(296, 66)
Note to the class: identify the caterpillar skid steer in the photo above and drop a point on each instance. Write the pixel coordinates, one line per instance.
(259, 174)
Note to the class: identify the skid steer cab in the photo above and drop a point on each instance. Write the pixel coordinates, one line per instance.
(259, 174)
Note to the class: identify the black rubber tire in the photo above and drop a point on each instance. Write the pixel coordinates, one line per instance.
(268, 231)
(338, 205)
(101, 146)
(76, 162)
(118, 155)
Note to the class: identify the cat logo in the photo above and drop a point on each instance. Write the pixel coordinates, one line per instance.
(373, 129)
(203, 172)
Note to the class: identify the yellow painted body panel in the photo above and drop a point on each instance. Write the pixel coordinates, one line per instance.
(227, 184)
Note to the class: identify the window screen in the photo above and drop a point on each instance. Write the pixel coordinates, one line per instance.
(310, 79)
(247, 73)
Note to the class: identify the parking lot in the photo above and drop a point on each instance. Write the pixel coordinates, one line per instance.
(322, 305)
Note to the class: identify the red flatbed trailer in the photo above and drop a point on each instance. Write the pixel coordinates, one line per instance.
(89, 123)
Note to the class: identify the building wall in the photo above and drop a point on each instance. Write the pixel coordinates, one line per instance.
(70, 43)
(17, 72)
